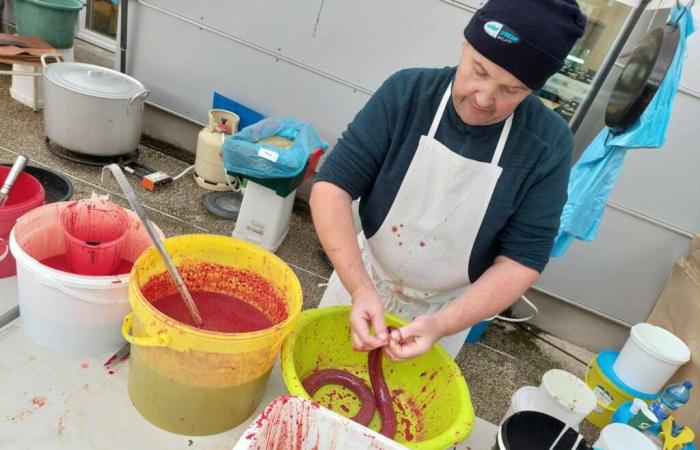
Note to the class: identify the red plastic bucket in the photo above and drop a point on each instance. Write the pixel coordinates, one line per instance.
(94, 231)
(26, 194)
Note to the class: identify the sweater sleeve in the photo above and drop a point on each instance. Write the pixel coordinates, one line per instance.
(529, 233)
(358, 155)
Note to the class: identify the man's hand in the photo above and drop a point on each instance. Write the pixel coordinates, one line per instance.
(415, 338)
(367, 312)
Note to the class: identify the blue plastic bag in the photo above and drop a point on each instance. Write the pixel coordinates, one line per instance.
(244, 155)
(595, 173)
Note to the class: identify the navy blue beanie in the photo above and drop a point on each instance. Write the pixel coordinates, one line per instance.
(528, 38)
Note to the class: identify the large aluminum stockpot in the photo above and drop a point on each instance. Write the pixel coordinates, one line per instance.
(92, 110)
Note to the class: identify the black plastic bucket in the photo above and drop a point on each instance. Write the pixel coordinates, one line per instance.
(57, 187)
(530, 430)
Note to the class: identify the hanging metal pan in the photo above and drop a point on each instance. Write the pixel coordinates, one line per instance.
(641, 78)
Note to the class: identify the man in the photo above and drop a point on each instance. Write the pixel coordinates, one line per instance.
(462, 176)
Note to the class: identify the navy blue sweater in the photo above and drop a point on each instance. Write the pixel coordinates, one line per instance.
(373, 155)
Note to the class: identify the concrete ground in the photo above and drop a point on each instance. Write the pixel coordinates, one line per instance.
(506, 358)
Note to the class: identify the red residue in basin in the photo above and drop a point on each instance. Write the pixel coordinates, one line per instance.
(245, 293)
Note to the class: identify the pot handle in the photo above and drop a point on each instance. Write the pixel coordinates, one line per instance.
(7, 249)
(143, 95)
(161, 340)
(46, 55)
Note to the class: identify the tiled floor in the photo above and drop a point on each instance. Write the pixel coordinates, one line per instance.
(506, 358)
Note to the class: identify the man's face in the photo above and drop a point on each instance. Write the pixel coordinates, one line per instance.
(484, 93)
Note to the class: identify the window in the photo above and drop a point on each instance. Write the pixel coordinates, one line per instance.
(98, 23)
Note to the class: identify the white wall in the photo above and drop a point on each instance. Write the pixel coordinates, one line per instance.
(315, 59)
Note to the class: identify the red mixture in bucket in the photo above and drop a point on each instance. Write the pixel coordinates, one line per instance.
(60, 262)
(220, 312)
(229, 300)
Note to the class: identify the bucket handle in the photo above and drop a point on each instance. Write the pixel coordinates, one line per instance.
(46, 55)
(161, 340)
(73, 293)
(7, 249)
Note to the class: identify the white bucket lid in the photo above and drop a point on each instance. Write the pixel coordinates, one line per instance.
(618, 436)
(569, 391)
(660, 343)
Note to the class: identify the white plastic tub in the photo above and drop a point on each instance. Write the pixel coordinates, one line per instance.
(650, 357)
(65, 312)
(560, 395)
(618, 436)
(291, 422)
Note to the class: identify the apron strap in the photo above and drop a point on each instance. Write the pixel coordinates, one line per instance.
(502, 140)
(438, 114)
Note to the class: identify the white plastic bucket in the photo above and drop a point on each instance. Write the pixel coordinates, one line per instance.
(65, 312)
(560, 395)
(650, 357)
(618, 436)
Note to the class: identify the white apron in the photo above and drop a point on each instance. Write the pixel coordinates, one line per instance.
(419, 257)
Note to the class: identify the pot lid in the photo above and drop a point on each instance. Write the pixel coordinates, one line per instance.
(93, 80)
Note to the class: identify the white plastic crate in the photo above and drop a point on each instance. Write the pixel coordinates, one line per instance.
(294, 423)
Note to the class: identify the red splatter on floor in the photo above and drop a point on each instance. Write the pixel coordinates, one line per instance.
(84, 365)
(111, 372)
(394, 229)
(400, 243)
(422, 244)
(39, 401)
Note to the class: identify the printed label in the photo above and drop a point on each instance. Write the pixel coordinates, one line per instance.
(501, 32)
(268, 154)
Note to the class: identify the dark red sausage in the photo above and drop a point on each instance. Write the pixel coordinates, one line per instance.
(381, 393)
(316, 380)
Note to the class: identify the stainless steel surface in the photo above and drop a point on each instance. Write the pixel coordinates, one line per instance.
(16, 169)
(138, 208)
(84, 121)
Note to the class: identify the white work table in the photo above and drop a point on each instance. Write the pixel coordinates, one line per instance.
(54, 401)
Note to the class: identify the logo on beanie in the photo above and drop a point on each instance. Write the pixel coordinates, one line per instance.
(501, 32)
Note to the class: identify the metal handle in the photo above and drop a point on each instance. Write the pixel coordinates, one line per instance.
(143, 95)
(141, 213)
(160, 340)
(7, 249)
(52, 283)
(16, 169)
(46, 55)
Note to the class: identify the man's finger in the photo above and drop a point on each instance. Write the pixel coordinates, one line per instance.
(361, 330)
(380, 327)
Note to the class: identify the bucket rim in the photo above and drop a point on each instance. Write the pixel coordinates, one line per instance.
(214, 337)
(10, 211)
(77, 6)
(683, 353)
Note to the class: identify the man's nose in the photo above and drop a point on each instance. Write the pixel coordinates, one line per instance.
(484, 96)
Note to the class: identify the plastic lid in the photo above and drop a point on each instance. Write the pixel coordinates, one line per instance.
(569, 391)
(688, 384)
(93, 80)
(660, 343)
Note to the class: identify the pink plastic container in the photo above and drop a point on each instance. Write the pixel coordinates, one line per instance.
(94, 231)
(26, 194)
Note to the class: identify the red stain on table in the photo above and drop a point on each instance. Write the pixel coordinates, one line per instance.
(39, 401)
(84, 365)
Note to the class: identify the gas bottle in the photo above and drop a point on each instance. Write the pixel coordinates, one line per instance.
(209, 164)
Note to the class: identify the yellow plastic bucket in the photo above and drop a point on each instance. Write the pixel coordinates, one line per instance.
(430, 395)
(610, 391)
(197, 382)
